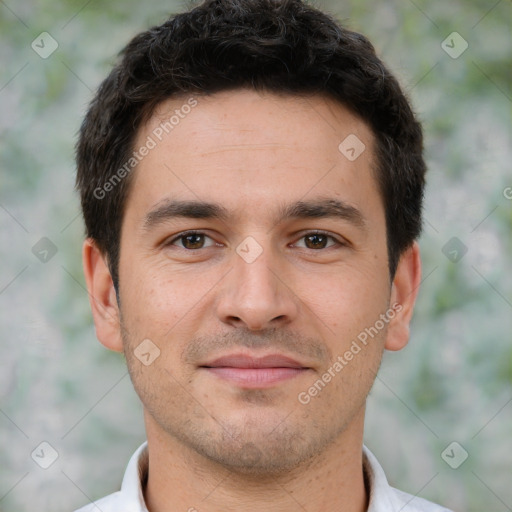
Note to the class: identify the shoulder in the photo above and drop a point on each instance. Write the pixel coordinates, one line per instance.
(409, 503)
(384, 498)
(109, 503)
(130, 497)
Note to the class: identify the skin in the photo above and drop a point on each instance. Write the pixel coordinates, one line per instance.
(227, 447)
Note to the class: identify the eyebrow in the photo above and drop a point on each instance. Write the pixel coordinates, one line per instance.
(314, 209)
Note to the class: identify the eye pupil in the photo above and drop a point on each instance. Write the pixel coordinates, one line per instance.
(195, 244)
(314, 238)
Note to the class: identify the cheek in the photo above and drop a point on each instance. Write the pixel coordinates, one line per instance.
(349, 300)
(164, 305)
(151, 302)
(336, 394)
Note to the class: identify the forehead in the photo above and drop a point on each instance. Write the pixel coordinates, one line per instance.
(257, 117)
(245, 149)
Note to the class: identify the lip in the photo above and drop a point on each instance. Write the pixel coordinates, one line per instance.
(247, 361)
(255, 372)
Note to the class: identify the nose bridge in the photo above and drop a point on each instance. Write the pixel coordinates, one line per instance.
(255, 272)
(254, 294)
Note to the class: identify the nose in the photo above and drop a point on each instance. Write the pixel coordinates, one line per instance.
(256, 294)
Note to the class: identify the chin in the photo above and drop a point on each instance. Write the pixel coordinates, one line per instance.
(258, 448)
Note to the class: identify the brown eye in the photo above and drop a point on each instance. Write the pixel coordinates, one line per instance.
(316, 241)
(191, 240)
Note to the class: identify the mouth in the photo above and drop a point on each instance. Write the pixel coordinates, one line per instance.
(255, 372)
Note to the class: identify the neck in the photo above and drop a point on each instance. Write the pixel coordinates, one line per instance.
(181, 479)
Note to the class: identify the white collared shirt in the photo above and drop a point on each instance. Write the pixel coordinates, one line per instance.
(383, 497)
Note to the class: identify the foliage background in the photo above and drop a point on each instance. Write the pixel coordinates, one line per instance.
(452, 382)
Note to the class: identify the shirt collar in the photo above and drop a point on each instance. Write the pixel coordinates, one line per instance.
(380, 498)
(135, 478)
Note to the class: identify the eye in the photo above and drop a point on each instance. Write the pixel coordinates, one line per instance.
(191, 240)
(195, 240)
(318, 240)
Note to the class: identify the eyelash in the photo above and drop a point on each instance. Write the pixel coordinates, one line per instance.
(314, 232)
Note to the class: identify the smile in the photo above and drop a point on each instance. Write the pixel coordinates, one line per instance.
(253, 372)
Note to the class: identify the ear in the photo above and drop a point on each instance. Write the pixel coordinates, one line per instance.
(404, 290)
(102, 296)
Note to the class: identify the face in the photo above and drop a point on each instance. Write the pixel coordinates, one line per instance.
(253, 257)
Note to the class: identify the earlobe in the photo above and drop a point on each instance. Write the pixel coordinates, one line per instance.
(102, 296)
(404, 291)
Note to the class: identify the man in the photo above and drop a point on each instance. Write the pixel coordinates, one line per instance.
(251, 178)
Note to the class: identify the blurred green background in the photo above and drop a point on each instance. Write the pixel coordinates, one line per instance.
(452, 383)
